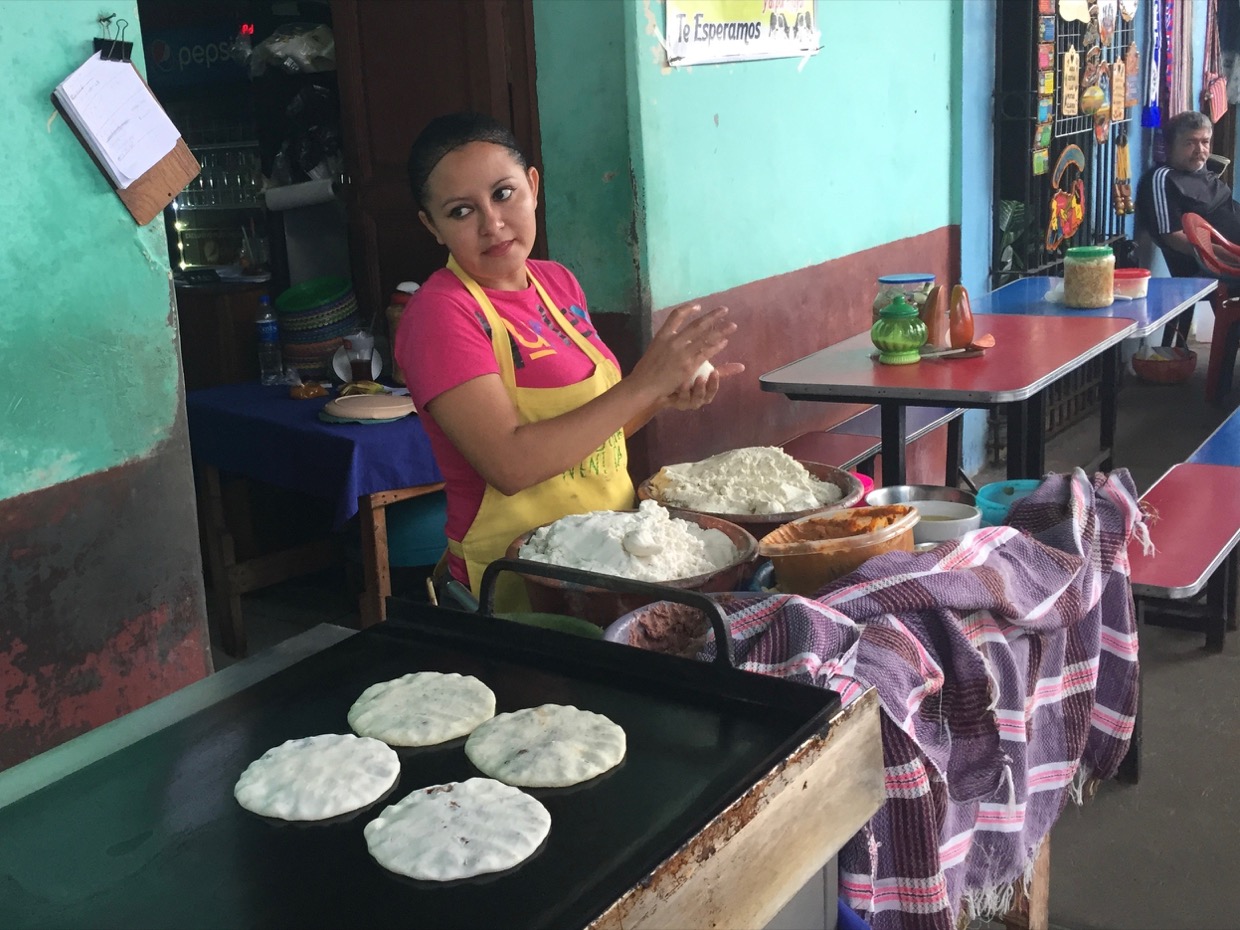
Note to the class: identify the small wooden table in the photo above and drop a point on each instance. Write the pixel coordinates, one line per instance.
(261, 433)
(1029, 354)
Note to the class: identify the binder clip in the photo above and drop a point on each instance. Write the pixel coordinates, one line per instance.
(113, 48)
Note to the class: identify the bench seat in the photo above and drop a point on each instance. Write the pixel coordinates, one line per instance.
(855, 442)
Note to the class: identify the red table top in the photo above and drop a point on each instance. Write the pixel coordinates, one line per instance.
(1199, 507)
(1030, 352)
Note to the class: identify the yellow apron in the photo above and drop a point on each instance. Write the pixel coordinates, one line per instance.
(600, 482)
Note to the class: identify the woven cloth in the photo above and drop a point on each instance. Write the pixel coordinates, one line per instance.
(1006, 666)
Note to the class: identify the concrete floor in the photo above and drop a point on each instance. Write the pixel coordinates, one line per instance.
(1157, 856)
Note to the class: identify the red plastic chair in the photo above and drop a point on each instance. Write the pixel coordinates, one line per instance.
(1225, 300)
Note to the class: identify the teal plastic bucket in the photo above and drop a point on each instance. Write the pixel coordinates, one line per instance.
(996, 499)
(415, 531)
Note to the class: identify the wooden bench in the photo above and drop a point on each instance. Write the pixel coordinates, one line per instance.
(855, 442)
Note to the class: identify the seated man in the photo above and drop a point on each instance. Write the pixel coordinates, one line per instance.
(1185, 185)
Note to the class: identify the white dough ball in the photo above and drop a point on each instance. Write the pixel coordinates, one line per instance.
(703, 371)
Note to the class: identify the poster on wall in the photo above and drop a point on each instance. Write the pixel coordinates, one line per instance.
(703, 32)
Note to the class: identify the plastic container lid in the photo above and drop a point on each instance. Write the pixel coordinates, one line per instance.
(1086, 252)
(898, 309)
(918, 277)
(1131, 274)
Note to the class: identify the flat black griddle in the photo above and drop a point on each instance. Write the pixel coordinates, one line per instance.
(151, 836)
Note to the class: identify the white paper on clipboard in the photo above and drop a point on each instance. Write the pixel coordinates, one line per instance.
(119, 118)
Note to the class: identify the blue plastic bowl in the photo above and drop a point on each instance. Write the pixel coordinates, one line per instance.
(996, 499)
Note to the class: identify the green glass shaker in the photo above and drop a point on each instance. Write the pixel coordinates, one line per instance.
(898, 333)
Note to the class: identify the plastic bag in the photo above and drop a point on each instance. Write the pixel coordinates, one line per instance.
(300, 48)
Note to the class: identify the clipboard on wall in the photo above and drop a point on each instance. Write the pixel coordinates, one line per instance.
(144, 193)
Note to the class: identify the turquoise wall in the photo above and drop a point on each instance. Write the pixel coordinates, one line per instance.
(751, 170)
(90, 373)
(587, 182)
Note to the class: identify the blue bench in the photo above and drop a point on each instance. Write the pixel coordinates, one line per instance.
(1222, 447)
(856, 441)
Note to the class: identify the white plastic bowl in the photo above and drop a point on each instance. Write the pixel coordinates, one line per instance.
(942, 520)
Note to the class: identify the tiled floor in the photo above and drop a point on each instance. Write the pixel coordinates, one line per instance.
(1158, 856)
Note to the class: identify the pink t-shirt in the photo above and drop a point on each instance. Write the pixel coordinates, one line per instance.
(443, 341)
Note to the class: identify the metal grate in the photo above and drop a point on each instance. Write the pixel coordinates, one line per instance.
(1021, 35)
(1023, 199)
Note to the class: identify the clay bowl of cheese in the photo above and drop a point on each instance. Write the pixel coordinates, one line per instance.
(762, 488)
(702, 553)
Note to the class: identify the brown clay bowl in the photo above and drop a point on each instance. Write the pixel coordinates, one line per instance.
(602, 607)
(759, 524)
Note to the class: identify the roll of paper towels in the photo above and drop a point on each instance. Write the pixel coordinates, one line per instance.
(305, 194)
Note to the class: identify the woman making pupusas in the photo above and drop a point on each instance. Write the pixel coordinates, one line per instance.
(525, 407)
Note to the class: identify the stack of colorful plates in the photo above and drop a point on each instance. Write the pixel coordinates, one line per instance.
(314, 315)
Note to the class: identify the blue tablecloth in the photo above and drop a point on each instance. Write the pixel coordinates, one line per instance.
(262, 433)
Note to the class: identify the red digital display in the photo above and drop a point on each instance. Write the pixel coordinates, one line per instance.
(247, 29)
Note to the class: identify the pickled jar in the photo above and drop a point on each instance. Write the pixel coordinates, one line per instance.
(898, 333)
(914, 287)
(1089, 277)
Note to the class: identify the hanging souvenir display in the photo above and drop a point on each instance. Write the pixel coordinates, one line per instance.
(1074, 10)
(1046, 82)
(1128, 10)
(1108, 12)
(1046, 55)
(1071, 82)
(1046, 31)
(1046, 108)
(1046, 7)
(1123, 186)
(1068, 200)
(1119, 91)
(1041, 161)
(1042, 135)
(1132, 73)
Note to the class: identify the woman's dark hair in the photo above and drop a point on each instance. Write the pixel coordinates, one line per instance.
(446, 134)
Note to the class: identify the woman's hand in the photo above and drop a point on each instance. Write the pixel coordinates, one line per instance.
(687, 338)
(701, 391)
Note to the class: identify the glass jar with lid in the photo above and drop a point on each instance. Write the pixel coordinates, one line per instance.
(1089, 277)
(912, 286)
(898, 333)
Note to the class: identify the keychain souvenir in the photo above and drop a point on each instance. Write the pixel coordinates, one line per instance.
(1074, 10)
(1047, 29)
(1132, 73)
(1102, 113)
(1123, 185)
(1041, 161)
(1093, 66)
(1068, 201)
(1071, 81)
(1046, 55)
(1046, 82)
(1046, 108)
(1128, 10)
(1119, 91)
(1042, 135)
(1092, 35)
(1107, 14)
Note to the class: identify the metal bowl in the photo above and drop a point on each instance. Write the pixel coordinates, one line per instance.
(912, 493)
(759, 524)
(602, 607)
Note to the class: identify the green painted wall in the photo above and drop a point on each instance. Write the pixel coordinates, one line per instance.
(90, 372)
(587, 183)
(750, 170)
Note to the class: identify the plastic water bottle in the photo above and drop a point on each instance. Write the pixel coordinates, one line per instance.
(270, 363)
